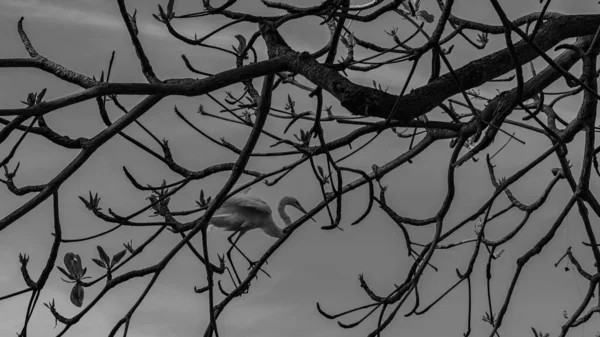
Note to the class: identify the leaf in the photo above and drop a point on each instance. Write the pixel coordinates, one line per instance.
(117, 257)
(242, 44)
(85, 202)
(73, 264)
(157, 18)
(40, 96)
(23, 259)
(77, 295)
(290, 104)
(129, 246)
(99, 263)
(320, 170)
(170, 7)
(425, 16)
(30, 99)
(64, 272)
(133, 21)
(406, 5)
(77, 267)
(417, 4)
(413, 9)
(103, 255)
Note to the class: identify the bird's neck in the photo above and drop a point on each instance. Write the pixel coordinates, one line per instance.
(274, 231)
(284, 216)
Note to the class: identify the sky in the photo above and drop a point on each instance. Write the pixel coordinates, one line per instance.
(314, 265)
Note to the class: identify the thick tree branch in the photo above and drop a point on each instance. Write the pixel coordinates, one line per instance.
(365, 101)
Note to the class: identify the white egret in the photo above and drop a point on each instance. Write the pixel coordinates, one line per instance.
(242, 212)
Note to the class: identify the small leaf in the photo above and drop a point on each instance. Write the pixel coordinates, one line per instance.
(40, 96)
(70, 261)
(129, 246)
(425, 16)
(77, 295)
(170, 6)
(290, 104)
(23, 258)
(133, 21)
(117, 257)
(242, 42)
(103, 255)
(157, 18)
(99, 263)
(64, 272)
(85, 202)
(77, 267)
(320, 170)
(417, 4)
(406, 5)
(30, 99)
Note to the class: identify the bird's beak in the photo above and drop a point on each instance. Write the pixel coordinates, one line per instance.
(305, 212)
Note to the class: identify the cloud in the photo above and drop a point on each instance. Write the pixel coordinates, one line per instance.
(98, 19)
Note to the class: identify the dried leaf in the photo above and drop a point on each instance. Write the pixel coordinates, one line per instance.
(320, 170)
(425, 16)
(242, 41)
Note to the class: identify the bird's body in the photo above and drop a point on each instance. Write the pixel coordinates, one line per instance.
(243, 212)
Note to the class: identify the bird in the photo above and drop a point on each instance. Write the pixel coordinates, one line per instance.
(241, 213)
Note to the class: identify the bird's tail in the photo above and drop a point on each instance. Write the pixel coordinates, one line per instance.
(210, 226)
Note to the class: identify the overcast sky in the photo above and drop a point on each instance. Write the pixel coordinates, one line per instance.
(313, 265)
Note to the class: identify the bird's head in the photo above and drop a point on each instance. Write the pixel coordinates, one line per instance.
(291, 201)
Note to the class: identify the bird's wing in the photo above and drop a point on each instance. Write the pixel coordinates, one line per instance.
(248, 201)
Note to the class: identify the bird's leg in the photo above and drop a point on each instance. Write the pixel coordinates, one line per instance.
(222, 259)
(230, 260)
(233, 245)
